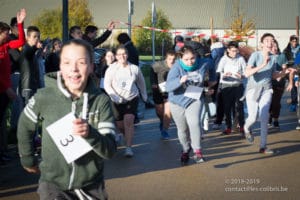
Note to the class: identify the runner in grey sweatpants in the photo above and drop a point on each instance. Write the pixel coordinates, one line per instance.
(260, 71)
(185, 84)
(185, 119)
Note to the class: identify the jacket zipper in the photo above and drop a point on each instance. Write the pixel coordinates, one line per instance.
(73, 108)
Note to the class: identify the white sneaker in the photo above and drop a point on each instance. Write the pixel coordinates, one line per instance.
(128, 152)
(205, 124)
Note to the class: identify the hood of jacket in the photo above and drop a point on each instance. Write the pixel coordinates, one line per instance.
(54, 80)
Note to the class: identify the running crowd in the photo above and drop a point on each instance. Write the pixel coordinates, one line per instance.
(71, 93)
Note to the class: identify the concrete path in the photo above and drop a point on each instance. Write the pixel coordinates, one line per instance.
(233, 168)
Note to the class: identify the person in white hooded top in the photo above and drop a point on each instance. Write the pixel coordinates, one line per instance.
(124, 82)
(231, 67)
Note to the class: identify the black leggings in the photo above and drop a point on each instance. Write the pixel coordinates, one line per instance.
(4, 102)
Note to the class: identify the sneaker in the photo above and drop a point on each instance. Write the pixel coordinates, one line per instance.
(266, 151)
(216, 126)
(298, 126)
(249, 136)
(276, 124)
(206, 124)
(198, 157)
(128, 152)
(184, 158)
(164, 135)
(270, 120)
(227, 131)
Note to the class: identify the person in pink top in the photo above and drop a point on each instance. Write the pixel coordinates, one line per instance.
(6, 91)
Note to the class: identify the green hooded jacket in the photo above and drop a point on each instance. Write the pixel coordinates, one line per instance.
(51, 104)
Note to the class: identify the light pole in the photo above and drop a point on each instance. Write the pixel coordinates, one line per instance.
(153, 32)
(65, 20)
(130, 12)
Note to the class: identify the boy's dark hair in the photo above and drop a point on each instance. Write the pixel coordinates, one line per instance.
(31, 29)
(90, 29)
(170, 53)
(13, 21)
(266, 35)
(293, 37)
(178, 38)
(123, 38)
(83, 43)
(4, 27)
(233, 44)
(72, 30)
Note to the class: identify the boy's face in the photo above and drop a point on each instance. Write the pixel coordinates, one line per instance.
(93, 35)
(33, 38)
(75, 67)
(267, 43)
(170, 60)
(77, 34)
(4, 36)
(294, 43)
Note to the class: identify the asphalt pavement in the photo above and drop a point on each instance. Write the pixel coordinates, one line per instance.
(233, 168)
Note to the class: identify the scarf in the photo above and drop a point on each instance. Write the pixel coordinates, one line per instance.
(188, 68)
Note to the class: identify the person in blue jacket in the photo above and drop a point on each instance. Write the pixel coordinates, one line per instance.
(186, 89)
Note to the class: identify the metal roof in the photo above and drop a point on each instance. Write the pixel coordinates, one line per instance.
(269, 14)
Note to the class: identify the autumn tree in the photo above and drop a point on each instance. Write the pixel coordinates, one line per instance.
(241, 27)
(49, 21)
(143, 37)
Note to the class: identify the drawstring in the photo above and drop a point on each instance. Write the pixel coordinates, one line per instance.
(82, 195)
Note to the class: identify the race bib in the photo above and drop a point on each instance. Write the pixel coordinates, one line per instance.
(125, 84)
(71, 146)
(162, 87)
(193, 92)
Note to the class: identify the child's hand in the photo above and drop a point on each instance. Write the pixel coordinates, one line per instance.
(21, 15)
(111, 25)
(34, 169)
(227, 74)
(80, 127)
(183, 79)
(289, 87)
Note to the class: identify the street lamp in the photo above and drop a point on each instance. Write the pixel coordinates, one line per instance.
(65, 20)
(130, 12)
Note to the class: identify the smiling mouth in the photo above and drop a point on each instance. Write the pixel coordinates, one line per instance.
(75, 79)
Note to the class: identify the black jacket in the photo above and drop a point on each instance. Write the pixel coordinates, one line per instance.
(98, 40)
(29, 69)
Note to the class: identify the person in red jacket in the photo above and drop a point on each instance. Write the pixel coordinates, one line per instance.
(6, 91)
